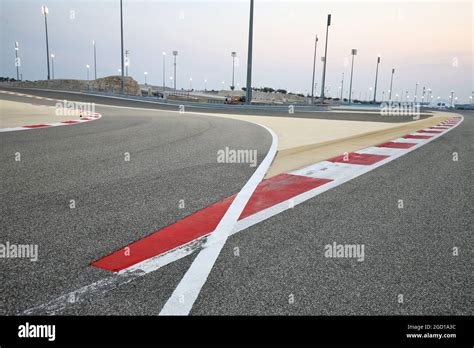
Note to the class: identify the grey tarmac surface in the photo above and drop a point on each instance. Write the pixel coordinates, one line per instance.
(173, 157)
(334, 115)
(408, 251)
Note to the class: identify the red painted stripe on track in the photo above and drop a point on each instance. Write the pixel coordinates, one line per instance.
(358, 158)
(427, 131)
(395, 145)
(37, 126)
(268, 193)
(68, 122)
(409, 136)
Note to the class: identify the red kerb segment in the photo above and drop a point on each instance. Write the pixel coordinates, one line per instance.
(409, 136)
(395, 145)
(268, 193)
(37, 126)
(358, 158)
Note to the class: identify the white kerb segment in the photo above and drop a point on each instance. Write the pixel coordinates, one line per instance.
(188, 289)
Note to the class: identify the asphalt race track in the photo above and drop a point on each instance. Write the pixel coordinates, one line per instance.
(172, 158)
(280, 267)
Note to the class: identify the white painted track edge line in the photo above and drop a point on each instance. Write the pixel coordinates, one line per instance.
(156, 262)
(104, 285)
(186, 293)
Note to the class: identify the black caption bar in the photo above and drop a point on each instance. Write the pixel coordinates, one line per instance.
(407, 330)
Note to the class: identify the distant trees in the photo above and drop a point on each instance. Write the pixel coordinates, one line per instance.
(266, 90)
(6, 79)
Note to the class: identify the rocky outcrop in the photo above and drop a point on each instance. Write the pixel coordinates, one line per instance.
(105, 84)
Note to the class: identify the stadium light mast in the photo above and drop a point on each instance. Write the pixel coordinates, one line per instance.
(249, 57)
(95, 60)
(376, 77)
(391, 86)
(233, 55)
(325, 58)
(314, 68)
(122, 69)
(45, 11)
(164, 83)
(342, 86)
(17, 61)
(354, 53)
(175, 53)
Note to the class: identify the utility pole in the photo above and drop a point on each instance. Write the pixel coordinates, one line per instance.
(314, 69)
(249, 57)
(376, 76)
(175, 53)
(95, 61)
(354, 53)
(17, 61)
(325, 59)
(233, 54)
(164, 83)
(391, 85)
(121, 48)
(342, 86)
(45, 11)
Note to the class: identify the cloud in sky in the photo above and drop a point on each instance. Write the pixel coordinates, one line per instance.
(427, 42)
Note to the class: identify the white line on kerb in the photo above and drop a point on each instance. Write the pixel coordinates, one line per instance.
(188, 289)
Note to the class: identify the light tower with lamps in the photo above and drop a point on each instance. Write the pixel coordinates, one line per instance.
(233, 55)
(122, 57)
(314, 68)
(164, 83)
(391, 87)
(353, 53)
(376, 76)
(175, 53)
(325, 58)
(95, 60)
(248, 93)
(342, 86)
(45, 11)
(17, 61)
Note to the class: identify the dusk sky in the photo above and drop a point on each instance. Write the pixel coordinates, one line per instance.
(427, 42)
